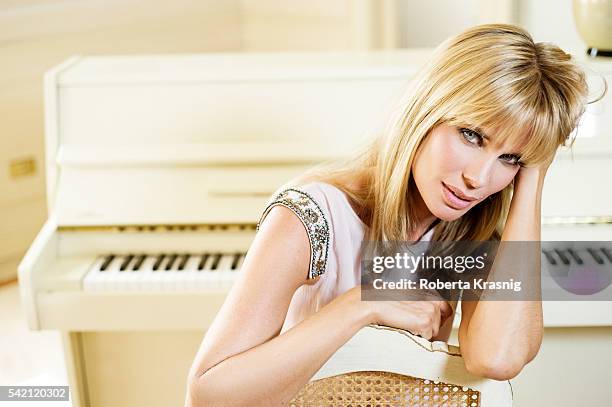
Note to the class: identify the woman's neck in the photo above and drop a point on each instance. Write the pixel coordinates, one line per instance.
(425, 219)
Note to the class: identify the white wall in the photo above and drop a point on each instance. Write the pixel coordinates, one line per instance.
(427, 23)
(551, 21)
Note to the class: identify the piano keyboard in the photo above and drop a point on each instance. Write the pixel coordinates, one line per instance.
(163, 272)
(197, 272)
(583, 269)
(588, 256)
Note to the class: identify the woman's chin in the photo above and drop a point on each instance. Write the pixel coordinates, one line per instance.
(448, 214)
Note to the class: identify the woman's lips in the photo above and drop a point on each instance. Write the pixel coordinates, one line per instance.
(453, 200)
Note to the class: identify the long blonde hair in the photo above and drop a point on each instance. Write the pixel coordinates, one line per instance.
(490, 76)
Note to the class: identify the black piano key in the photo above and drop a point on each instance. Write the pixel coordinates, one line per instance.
(184, 259)
(158, 261)
(202, 262)
(595, 256)
(171, 261)
(126, 262)
(575, 256)
(607, 253)
(549, 257)
(139, 260)
(562, 256)
(107, 262)
(235, 261)
(215, 261)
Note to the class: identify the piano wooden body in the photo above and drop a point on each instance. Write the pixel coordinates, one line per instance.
(159, 166)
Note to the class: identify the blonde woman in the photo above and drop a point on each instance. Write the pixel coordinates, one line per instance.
(464, 158)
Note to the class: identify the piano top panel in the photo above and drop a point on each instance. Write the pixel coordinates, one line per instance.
(221, 67)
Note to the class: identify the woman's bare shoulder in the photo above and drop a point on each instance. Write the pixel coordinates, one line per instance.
(308, 204)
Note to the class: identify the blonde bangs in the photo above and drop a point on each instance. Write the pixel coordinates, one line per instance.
(528, 137)
(529, 126)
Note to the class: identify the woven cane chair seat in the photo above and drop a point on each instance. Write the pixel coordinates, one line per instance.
(370, 389)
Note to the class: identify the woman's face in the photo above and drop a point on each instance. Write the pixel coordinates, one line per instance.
(456, 168)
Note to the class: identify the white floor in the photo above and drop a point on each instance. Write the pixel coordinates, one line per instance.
(27, 357)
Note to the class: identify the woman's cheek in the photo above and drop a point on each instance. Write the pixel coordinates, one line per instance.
(455, 154)
(504, 178)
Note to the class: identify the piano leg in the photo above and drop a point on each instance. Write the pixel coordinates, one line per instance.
(73, 356)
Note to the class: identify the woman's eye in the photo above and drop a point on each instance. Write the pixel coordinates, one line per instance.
(511, 159)
(471, 136)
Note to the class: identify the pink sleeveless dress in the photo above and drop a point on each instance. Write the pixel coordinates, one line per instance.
(335, 233)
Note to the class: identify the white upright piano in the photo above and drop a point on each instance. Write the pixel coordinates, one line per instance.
(158, 168)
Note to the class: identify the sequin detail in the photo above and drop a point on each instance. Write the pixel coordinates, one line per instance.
(310, 214)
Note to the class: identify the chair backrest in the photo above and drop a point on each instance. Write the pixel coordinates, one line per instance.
(388, 366)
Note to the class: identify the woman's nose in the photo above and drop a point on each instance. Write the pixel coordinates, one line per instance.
(476, 173)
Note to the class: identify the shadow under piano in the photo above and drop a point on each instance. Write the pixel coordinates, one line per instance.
(158, 168)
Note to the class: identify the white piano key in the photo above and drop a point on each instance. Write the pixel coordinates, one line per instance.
(158, 278)
(92, 275)
(206, 278)
(219, 272)
(226, 274)
(142, 281)
(104, 275)
(177, 280)
(182, 277)
(95, 276)
(178, 275)
(107, 282)
(192, 263)
(165, 276)
(129, 278)
(117, 278)
(125, 278)
(174, 276)
(191, 273)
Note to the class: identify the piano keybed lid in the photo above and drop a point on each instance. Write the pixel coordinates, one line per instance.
(206, 139)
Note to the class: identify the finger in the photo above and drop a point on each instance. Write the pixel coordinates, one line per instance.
(437, 321)
(445, 309)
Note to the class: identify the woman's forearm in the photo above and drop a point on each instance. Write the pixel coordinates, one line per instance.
(272, 373)
(508, 333)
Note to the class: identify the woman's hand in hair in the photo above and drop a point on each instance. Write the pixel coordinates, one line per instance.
(532, 176)
(422, 317)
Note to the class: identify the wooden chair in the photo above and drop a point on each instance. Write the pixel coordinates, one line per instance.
(383, 366)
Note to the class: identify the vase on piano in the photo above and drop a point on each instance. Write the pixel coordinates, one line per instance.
(593, 20)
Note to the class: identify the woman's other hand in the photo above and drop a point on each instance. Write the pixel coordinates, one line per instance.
(423, 318)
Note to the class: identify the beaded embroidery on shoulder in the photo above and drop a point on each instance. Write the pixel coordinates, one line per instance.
(314, 220)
